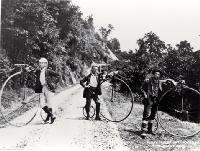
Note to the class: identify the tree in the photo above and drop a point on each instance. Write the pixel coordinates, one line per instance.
(51, 29)
(151, 46)
(114, 45)
(178, 60)
(105, 32)
(150, 52)
(194, 72)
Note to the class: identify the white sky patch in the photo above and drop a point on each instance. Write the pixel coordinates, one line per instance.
(172, 20)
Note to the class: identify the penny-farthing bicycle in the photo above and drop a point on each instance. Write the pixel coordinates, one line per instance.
(16, 98)
(116, 100)
(179, 111)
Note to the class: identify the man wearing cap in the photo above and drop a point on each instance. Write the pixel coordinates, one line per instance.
(151, 90)
(46, 87)
(92, 89)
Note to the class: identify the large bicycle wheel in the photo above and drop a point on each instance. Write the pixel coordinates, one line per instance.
(117, 100)
(179, 112)
(19, 104)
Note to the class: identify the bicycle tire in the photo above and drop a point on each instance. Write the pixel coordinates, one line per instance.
(172, 121)
(116, 109)
(12, 108)
(92, 111)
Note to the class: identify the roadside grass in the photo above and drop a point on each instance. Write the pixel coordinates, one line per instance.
(130, 130)
(12, 106)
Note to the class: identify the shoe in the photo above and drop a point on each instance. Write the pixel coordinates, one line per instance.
(151, 132)
(87, 118)
(47, 111)
(144, 129)
(150, 127)
(47, 119)
(98, 118)
(143, 134)
(52, 120)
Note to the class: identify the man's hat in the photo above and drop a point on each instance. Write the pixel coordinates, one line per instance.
(43, 60)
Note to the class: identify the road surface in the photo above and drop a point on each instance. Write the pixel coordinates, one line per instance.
(70, 132)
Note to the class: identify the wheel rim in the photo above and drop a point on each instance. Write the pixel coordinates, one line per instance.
(113, 106)
(175, 119)
(13, 112)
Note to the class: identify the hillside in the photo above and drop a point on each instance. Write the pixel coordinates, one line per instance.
(52, 29)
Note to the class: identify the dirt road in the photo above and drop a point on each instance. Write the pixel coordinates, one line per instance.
(69, 132)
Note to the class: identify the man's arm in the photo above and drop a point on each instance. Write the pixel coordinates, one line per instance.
(163, 81)
(82, 82)
(144, 88)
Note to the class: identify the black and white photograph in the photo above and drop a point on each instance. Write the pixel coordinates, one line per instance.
(100, 75)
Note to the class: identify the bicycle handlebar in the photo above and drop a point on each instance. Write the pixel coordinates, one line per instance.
(21, 65)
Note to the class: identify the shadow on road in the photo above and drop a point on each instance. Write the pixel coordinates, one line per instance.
(136, 132)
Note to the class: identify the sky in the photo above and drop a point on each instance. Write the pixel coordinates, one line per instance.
(172, 20)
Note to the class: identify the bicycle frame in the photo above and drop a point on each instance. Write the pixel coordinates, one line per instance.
(183, 113)
(25, 100)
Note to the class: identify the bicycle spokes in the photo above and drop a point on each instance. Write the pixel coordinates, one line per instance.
(117, 100)
(179, 114)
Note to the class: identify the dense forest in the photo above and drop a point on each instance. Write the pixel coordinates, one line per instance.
(55, 29)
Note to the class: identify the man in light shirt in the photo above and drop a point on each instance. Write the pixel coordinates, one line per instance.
(92, 89)
(45, 86)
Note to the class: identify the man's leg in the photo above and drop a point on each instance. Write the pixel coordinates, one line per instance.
(87, 107)
(49, 95)
(96, 100)
(146, 113)
(44, 106)
(152, 117)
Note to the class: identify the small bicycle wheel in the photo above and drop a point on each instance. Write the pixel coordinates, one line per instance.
(179, 112)
(117, 100)
(92, 111)
(18, 103)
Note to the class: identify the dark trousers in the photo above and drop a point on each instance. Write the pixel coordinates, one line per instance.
(150, 108)
(92, 95)
(89, 98)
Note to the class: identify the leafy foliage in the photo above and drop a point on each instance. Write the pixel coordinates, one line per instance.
(53, 29)
(174, 63)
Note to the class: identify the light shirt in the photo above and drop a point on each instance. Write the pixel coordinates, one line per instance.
(93, 80)
(153, 87)
(42, 77)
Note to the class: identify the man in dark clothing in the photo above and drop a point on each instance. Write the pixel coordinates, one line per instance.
(92, 88)
(151, 90)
